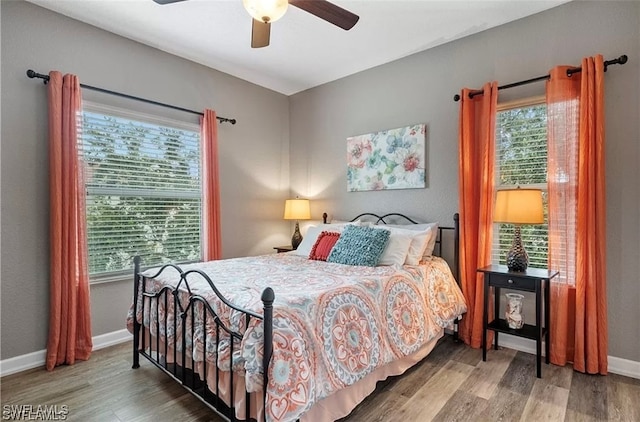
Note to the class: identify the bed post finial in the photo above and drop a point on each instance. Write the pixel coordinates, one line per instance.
(268, 296)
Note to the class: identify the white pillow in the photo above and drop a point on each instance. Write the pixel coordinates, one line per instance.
(358, 222)
(419, 241)
(395, 253)
(418, 246)
(310, 237)
(431, 244)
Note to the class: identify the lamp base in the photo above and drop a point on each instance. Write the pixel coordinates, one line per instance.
(517, 258)
(297, 237)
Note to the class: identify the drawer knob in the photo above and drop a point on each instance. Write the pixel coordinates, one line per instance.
(510, 281)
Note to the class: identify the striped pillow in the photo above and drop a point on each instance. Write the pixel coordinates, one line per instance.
(323, 246)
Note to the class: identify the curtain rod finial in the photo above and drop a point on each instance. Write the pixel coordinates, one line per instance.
(623, 59)
(225, 120)
(456, 97)
(33, 74)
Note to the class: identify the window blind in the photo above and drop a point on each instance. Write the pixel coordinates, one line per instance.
(143, 192)
(521, 160)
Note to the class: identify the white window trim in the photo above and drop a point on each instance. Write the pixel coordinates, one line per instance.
(135, 115)
(523, 102)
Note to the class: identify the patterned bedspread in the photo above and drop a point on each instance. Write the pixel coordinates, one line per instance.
(333, 323)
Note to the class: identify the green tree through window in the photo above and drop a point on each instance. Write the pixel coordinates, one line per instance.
(521, 160)
(143, 192)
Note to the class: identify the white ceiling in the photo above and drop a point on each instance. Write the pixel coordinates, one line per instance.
(305, 51)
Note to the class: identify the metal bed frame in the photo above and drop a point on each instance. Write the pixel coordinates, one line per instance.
(181, 368)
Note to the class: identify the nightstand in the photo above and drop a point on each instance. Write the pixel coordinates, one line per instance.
(286, 248)
(532, 280)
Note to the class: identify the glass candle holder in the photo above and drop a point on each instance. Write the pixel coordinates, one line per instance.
(514, 314)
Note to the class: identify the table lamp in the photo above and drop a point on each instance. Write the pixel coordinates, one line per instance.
(518, 206)
(296, 209)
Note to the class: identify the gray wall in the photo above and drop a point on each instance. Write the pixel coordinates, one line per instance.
(419, 89)
(254, 155)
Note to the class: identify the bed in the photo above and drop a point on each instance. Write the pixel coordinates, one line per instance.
(325, 331)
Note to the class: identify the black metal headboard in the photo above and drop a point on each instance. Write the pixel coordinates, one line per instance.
(455, 228)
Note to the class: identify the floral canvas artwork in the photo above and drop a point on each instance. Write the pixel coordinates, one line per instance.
(390, 159)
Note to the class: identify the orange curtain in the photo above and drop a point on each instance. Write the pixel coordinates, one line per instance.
(212, 239)
(577, 235)
(69, 306)
(476, 177)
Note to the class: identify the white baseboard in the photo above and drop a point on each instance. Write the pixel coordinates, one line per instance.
(626, 367)
(112, 338)
(37, 359)
(22, 362)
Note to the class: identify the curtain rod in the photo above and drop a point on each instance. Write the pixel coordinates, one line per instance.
(32, 74)
(620, 60)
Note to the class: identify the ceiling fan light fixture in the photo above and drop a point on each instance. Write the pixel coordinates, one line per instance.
(266, 11)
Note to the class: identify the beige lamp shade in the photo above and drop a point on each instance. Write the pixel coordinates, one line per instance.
(519, 206)
(297, 209)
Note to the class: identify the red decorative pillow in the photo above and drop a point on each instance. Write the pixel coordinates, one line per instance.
(322, 248)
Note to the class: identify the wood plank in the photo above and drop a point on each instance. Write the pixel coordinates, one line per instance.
(179, 409)
(521, 374)
(379, 407)
(408, 383)
(546, 402)
(560, 376)
(431, 398)
(505, 405)
(445, 350)
(460, 406)
(573, 415)
(416, 376)
(468, 355)
(588, 397)
(509, 399)
(487, 375)
(624, 398)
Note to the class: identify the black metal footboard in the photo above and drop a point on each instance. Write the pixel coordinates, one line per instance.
(177, 354)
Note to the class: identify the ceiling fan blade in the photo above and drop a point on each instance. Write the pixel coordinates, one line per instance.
(167, 1)
(260, 33)
(328, 11)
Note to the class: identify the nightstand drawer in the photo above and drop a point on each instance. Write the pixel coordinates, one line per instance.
(512, 282)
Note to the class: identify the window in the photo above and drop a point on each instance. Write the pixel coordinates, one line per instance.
(143, 188)
(521, 160)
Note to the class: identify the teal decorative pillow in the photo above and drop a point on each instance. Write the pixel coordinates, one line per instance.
(359, 245)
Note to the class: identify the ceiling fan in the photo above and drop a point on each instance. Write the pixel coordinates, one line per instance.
(264, 12)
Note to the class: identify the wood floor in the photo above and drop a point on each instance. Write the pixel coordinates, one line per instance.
(451, 384)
